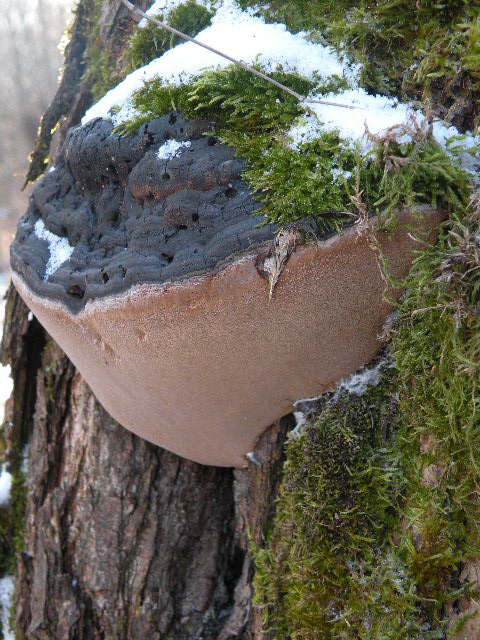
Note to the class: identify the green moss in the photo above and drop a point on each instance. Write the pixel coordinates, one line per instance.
(317, 178)
(152, 41)
(243, 97)
(372, 531)
(371, 534)
(437, 350)
(416, 172)
(253, 118)
(331, 569)
(378, 511)
(12, 515)
(106, 67)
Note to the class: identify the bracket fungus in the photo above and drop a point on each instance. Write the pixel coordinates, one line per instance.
(141, 257)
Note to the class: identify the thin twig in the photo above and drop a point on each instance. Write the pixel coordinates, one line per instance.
(296, 95)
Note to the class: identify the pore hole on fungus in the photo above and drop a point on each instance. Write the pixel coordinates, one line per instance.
(76, 290)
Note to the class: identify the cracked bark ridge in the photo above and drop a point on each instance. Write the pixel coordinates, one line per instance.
(68, 91)
(124, 540)
(133, 218)
(74, 93)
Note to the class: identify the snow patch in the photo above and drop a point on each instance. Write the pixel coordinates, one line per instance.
(5, 485)
(378, 113)
(6, 382)
(6, 386)
(172, 149)
(303, 131)
(60, 249)
(25, 459)
(360, 381)
(251, 457)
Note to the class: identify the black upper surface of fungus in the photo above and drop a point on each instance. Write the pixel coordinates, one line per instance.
(133, 218)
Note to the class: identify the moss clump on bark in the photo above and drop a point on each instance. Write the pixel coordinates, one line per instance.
(151, 41)
(407, 575)
(106, 65)
(12, 514)
(379, 510)
(331, 568)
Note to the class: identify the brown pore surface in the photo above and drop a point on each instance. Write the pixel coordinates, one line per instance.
(202, 367)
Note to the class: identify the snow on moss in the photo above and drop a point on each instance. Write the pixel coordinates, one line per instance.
(245, 36)
(358, 383)
(7, 588)
(235, 32)
(5, 485)
(368, 376)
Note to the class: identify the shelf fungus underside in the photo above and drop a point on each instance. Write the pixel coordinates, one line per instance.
(144, 258)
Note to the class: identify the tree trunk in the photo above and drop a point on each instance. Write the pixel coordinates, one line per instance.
(121, 538)
(377, 528)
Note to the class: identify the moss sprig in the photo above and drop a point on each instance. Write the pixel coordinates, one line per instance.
(151, 41)
(437, 350)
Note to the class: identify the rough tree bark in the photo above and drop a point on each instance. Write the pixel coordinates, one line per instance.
(122, 539)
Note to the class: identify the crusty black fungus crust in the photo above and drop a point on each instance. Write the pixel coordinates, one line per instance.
(133, 218)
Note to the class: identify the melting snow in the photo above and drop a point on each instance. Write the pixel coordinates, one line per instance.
(6, 382)
(360, 381)
(60, 249)
(376, 112)
(25, 459)
(172, 149)
(357, 383)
